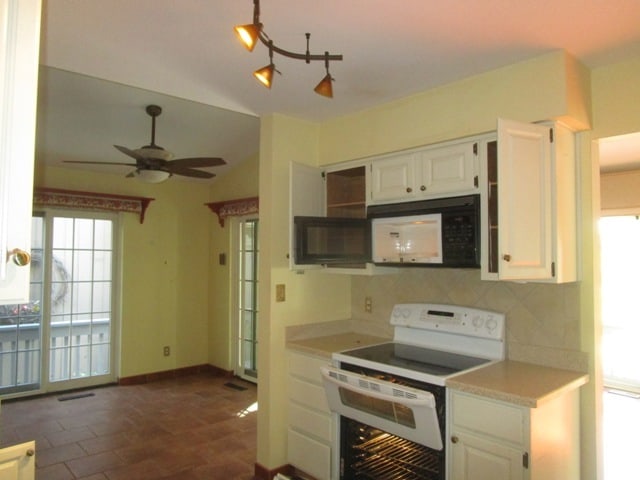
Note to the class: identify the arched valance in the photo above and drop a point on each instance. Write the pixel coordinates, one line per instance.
(55, 197)
(234, 208)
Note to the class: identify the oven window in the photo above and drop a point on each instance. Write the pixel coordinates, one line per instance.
(385, 409)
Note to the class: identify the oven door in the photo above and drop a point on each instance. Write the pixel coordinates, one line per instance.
(396, 409)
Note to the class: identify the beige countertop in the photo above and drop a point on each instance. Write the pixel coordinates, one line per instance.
(520, 383)
(326, 345)
(523, 384)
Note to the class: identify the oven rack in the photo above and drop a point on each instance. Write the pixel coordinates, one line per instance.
(387, 457)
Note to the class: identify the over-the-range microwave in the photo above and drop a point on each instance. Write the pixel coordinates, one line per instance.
(442, 232)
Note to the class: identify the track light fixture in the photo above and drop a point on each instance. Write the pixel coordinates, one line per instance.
(265, 74)
(251, 33)
(325, 87)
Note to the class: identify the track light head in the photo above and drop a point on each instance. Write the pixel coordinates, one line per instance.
(265, 74)
(325, 87)
(248, 35)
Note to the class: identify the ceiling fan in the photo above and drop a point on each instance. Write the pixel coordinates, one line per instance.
(154, 164)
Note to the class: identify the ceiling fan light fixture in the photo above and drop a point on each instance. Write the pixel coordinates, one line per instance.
(152, 176)
(248, 35)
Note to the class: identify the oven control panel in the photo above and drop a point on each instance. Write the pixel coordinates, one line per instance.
(449, 318)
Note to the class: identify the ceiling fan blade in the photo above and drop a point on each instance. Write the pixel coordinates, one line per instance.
(189, 172)
(100, 163)
(129, 152)
(197, 162)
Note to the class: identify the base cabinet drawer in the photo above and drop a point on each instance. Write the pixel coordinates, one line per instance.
(309, 455)
(498, 420)
(317, 424)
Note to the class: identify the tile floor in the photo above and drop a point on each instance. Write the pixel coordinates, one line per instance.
(188, 428)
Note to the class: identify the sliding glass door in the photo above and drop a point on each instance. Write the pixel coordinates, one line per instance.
(63, 338)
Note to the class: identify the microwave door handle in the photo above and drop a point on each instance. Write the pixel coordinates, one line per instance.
(425, 399)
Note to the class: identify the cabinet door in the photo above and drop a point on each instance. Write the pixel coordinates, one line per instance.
(525, 201)
(393, 178)
(478, 458)
(19, 27)
(306, 198)
(18, 462)
(451, 169)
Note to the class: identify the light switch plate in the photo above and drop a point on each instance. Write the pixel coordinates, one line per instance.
(280, 292)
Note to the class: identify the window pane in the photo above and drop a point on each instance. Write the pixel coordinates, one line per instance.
(82, 265)
(100, 359)
(62, 232)
(82, 297)
(83, 234)
(102, 266)
(248, 266)
(102, 235)
(102, 297)
(80, 362)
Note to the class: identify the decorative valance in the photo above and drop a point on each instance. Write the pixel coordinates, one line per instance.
(54, 197)
(233, 208)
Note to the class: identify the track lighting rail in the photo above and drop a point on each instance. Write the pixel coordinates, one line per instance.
(251, 33)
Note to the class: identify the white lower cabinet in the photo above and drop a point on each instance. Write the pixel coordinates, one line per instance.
(311, 426)
(18, 462)
(494, 440)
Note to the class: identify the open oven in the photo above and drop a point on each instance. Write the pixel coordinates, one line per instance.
(390, 399)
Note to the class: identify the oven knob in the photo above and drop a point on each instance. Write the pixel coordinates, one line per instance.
(491, 324)
(477, 321)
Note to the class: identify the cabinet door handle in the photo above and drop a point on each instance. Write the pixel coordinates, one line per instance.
(409, 189)
(20, 257)
(506, 257)
(454, 439)
(423, 188)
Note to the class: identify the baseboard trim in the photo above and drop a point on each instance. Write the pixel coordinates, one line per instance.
(261, 472)
(175, 373)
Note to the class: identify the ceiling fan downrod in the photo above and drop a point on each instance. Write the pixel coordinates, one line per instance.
(153, 111)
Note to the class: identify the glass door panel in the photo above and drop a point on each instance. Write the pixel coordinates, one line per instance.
(20, 327)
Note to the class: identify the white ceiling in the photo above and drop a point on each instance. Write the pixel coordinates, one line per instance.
(184, 56)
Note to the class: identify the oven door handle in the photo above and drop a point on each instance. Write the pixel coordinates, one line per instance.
(379, 389)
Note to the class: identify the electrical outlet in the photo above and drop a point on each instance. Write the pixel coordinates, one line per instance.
(367, 304)
(167, 351)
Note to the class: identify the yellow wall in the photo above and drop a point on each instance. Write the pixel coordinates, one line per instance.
(241, 182)
(620, 193)
(547, 87)
(311, 297)
(165, 268)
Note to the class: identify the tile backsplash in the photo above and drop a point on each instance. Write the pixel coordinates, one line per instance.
(543, 321)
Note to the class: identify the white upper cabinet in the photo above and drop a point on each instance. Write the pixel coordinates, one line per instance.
(19, 36)
(530, 234)
(436, 171)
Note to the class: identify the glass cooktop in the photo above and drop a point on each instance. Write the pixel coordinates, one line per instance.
(415, 358)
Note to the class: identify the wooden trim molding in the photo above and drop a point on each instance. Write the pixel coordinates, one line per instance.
(263, 473)
(234, 208)
(56, 197)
